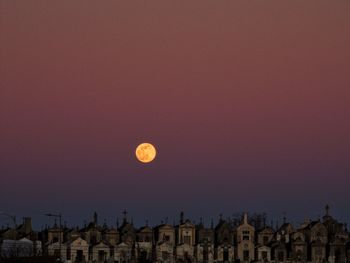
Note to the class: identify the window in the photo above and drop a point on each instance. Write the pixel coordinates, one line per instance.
(264, 255)
(166, 238)
(187, 240)
(246, 235)
(265, 240)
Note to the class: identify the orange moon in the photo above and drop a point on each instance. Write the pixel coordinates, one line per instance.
(145, 152)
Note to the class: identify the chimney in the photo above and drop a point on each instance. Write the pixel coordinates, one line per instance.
(27, 225)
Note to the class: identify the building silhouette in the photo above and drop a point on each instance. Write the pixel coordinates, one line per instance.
(240, 239)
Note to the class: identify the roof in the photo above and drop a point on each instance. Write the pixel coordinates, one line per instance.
(221, 224)
(285, 227)
(164, 226)
(318, 242)
(266, 229)
(309, 225)
(2, 231)
(111, 230)
(263, 246)
(76, 239)
(126, 227)
(145, 229)
(187, 222)
(338, 241)
(102, 244)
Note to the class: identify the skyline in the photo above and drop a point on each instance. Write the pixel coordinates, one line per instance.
(243, 238)
(258, 219)
(247, 104)
(11, 220)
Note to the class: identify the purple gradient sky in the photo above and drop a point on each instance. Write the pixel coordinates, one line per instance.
(248, 103)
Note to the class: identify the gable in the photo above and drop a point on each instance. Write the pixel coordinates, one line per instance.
(101, 245)
(122, 245)
(79, 242)
(319, 230)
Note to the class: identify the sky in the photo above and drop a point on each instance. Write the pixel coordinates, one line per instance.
(247, 103)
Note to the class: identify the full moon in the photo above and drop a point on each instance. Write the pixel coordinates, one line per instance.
(145, 152)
